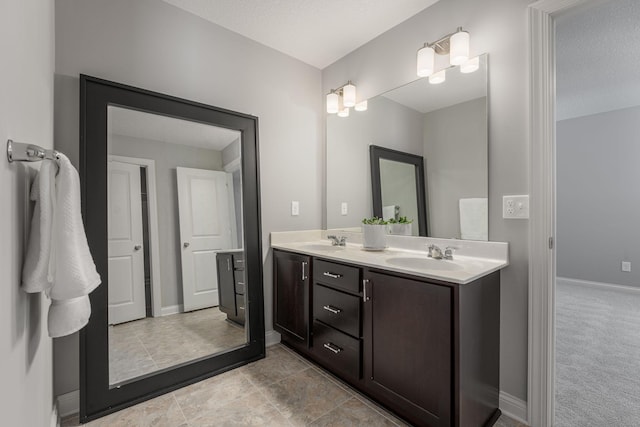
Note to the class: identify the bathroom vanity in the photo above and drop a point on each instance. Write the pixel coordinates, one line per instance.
(418, 335)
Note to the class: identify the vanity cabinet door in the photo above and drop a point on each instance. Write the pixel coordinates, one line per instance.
(408, 347)
(226, 292)
(291, 296)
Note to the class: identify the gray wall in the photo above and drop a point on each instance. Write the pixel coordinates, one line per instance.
(498, 27)
(167, 158)
(455, 153)
(26, 115)
(598, 197)
(398, 187)
(348, 164)
(153, 45)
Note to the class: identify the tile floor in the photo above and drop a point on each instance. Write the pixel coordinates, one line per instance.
(153, 343)
(281, 390)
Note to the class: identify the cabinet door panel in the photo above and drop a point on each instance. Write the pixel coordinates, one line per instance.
(407, 341)
(226, 292)
(291, 299)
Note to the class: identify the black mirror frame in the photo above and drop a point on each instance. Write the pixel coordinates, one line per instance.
(97, 398)
(375, 154)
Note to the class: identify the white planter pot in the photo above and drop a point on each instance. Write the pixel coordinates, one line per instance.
(400, 229)
(374, 237)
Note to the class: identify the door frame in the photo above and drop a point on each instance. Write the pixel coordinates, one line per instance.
(154, 236)
(542, 262)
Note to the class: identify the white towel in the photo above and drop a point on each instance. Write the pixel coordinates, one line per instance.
(474, 219)
(390, 212)
(58, 260)
(36, 275)
(75, 273)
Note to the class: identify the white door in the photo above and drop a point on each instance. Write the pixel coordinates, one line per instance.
(126, 257)
(205, 215)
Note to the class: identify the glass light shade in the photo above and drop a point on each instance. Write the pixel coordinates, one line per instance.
(426, 61)
(438, 77)
(349, 95)
(361, 106)
(333, 101)
(470, 66)
(459, 48)
(344, 112)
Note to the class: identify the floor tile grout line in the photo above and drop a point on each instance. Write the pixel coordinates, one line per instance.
(269, 401)
(180, 407)
(348, 398)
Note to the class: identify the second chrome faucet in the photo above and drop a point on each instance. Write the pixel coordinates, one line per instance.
(338, 241)
(436, 253)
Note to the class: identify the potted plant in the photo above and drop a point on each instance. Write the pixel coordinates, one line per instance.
(401, 226)
(374, 234)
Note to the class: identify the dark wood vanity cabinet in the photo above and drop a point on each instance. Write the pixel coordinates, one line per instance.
(291, 297)
(425, 349)
(231, 285)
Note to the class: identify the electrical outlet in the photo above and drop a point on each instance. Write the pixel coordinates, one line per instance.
(344, 208)
(295, 208)
(515, 207)
(626, 266)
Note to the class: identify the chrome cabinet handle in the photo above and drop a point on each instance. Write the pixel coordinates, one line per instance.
(228, 264)
(304, 265)
(332, 347)
(365, 282)
(333, 310)
(241, 283)
(137, 247)
(186, 244)
(332, 275)
(240, 261)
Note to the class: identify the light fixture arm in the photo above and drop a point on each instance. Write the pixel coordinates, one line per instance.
(442, 46)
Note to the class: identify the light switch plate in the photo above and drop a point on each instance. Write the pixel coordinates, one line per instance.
(344, 208)
(626, 266)
(515, 207)
(295, 208)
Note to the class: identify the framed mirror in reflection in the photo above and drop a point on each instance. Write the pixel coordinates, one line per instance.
(175, 231)
(171, 209)
(444, 124)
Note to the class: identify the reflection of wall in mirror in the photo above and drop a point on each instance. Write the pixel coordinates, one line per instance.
(167, 157)
(348, 164)
(398, 187)
(456, 156)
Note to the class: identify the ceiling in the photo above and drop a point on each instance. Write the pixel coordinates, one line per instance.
(138, 124)
(598, 58)
(318, 32)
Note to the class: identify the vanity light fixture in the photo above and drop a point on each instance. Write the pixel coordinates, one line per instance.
(470, 66)
(455, 44)
(340, 100)
(437, 78)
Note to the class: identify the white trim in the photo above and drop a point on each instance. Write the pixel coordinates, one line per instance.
(54, 421)
(154, 236)
(68, 403)
(513, 407)
(271, 338)
(542, 209)
(233, 165)
(599, 285)
(172, 309)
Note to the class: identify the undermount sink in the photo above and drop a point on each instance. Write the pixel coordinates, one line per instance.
(321, 247)
(425, 263)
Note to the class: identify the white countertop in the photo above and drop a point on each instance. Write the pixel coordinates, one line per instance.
(463, 269)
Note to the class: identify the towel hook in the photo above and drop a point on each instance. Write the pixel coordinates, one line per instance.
(21, 152)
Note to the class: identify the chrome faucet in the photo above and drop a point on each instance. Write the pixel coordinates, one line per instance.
(436, 253)
(338, 241)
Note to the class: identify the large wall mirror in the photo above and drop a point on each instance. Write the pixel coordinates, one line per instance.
(446, 125)
(171, 210)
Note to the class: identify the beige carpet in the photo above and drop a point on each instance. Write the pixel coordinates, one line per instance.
(597, 357)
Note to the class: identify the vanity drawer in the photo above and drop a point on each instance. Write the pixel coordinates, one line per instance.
(337, 309)
(336, 275)
(239, 281)
(338, 351)
(238, 260)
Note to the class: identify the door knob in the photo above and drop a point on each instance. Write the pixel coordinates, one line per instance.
(137, 247)
(186, 244)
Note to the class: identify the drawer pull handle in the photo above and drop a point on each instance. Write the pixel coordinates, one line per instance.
(332, 275)
(239, 261)
(240, 283)
(332, 347)
(333, 310)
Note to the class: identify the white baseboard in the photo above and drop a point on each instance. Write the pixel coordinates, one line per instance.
(55, 419)
(69, 403)
(513, 407)
(271, 338)
(172, 309)
(607, 286)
